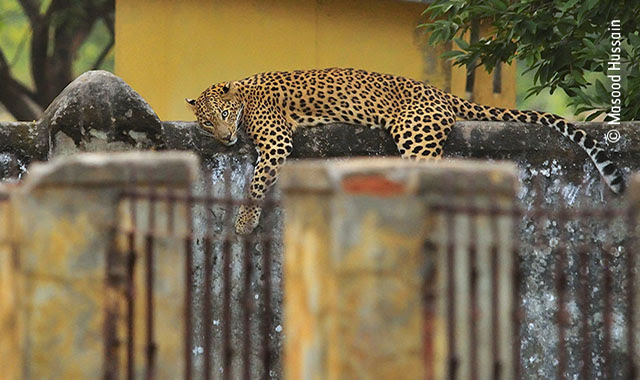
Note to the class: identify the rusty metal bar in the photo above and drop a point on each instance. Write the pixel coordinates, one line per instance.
(451, 296)
(208, 280)
(518, 311)
(561, 289)
(130, 292)
(267, 316)
(630, 251)
(188, 302)
(608, 369)
(583, 294)
(149, 243)
(247, 302)
(473, 292)
(607, 314)
(429, 300)
(226, 307)
(495, 286)
(227, 354)
(111, 312)
(208, 306)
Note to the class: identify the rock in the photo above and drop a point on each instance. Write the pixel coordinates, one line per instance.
(98, 111)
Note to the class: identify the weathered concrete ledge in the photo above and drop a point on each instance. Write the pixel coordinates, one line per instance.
(373, 176)
(467, 138)
(116, 169)
(30, 141)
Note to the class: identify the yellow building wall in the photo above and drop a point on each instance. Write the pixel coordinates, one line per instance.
(170, 50)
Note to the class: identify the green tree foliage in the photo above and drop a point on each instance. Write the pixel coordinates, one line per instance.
(44, 44)
(565, 43)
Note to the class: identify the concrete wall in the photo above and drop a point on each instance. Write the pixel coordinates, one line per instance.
(367, 271)
(567, 177)
(58, 265)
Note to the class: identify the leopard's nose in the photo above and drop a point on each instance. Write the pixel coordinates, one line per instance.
(230, 140)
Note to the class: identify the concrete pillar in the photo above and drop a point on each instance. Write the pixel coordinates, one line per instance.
(58, 234)
(365, 267)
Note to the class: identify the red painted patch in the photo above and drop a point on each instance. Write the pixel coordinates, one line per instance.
(372, 185)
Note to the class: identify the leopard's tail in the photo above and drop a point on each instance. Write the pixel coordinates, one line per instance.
(609, 171)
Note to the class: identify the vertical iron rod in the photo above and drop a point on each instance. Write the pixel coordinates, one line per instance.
(583, 293)
(495, 299)
(561, 289)
(518, 311)
(267, 317)
(227, 353)
(451, 296)
(208, 306)
(247, 303)
(149, 243)
(630, 252)
(226, 307)
(474, 311)
(188, 247)
(131, 259)
(607, 314)
(208, 282)
(130, 305)
(110, 326)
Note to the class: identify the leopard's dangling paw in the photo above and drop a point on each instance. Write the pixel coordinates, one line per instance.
(247, 219)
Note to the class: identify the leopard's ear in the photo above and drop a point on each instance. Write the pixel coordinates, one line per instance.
(229, 90)
(191, 104)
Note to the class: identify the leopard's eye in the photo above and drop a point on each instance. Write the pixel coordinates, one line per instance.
(225, 113)
(207, 124)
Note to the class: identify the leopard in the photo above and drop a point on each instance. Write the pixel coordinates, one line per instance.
(271, 106)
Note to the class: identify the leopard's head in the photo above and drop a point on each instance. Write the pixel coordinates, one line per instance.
(219, 112)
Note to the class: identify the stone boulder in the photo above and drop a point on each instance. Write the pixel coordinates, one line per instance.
(100, 112)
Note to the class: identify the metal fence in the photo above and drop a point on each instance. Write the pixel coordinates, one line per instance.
(572, 282)
(548, 282)
(229, 315)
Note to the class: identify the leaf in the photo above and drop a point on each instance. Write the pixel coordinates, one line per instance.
(434, 38)
(634, 40)
(499, 5)
(452, 54)
(464, 45)
(600, 89)
(588, 43)
(568, 5)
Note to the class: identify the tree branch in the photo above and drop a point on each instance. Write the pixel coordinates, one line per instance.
(16, 98)
(103, 54)
(32, 10)
(108, 20)
(5, 74)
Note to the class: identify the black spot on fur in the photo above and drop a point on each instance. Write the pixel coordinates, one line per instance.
(601, 157)
(609, 169)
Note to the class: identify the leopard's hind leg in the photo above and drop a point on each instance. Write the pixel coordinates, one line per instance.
(421, 133)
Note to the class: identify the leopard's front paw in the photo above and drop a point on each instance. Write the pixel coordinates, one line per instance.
(247, 219)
